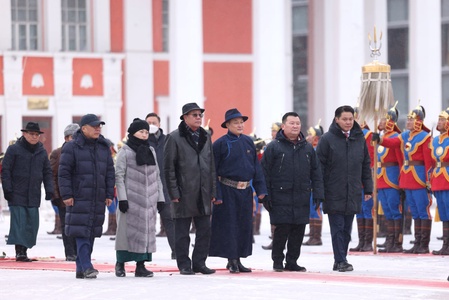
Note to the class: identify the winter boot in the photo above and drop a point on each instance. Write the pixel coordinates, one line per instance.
(57, 229)
(397, 241)
(120, 269)
(21, 254)
(426, 228)
(361, 233)
(382, 232)
(162, 232)
(445, 249)
(256, 224)
(141, 271)
(368, 246)
(390, 237)
(315, 233)
(270, 246)
(112, 224)
(417, 237)
(233, 266)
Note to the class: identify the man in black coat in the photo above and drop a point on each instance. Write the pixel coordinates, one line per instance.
(157, 141)
(345, 164)
(86, 180)
(292, 172)
(25, 167)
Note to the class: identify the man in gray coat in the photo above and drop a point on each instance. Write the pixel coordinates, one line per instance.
(190, 173)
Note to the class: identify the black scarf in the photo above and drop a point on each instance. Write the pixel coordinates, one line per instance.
(30, 147)
(144, 156)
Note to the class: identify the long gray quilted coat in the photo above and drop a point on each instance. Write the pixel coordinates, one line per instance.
(142, 187)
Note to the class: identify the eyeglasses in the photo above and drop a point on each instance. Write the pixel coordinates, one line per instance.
(34, 134)
(196, 115)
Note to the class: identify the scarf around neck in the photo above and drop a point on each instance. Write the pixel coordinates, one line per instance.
(144, 156)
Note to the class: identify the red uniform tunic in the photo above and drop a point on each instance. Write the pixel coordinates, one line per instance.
(389, 163)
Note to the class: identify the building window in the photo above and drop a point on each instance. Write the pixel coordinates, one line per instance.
(398, 54)
(165, 23)
(74, 25)
(445, 52)
(300, 59)
(24, 25)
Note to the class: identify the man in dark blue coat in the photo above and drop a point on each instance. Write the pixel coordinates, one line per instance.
(292, 172)
(237, 166)
(157, 141)
(345, 164)
(25, 167)
(86, 185)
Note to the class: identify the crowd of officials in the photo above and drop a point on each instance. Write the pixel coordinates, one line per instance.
(219, 188)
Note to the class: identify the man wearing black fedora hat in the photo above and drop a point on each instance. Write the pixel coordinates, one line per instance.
(237, 165)
(189, 173)
(25, 167)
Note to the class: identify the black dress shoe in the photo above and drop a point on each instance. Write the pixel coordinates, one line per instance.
(79, 275)
(186, 271)
(120, 269)
(278, 267)
(242, 268)
(233, 266)
(294, 267)
(335, 267)
(344, 267)
(90, 273)
(203, 270)
(70, 258)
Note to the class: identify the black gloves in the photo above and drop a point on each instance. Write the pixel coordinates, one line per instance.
(8, 196)
(375, 137)
(48, 196)
(268, 205)
(123, 206)
(160, 206)
(316, 203)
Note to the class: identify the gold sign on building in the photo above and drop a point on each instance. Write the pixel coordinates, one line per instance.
(37, 103)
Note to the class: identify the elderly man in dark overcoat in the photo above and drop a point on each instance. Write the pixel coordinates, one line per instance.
(237, 166)
(190, 176)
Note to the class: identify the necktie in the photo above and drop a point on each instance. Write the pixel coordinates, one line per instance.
(347, 135)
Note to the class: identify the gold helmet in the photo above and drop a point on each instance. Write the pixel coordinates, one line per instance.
(392, 117)
(316, 130)
(445, 114)
(418, 114)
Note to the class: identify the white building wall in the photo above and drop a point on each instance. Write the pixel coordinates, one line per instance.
(63, 100)
(425, 58)
(272, 72)
(101, 26)
(186, 57)
(52, 25)
(5, 25)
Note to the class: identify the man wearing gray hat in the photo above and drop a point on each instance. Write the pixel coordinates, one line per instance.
(190, 176)
(69, 242)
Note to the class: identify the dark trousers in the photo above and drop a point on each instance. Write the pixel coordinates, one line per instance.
(294, 233)
(182, 241)
(84, 248)
(341, 227)
(68, 241)
(169, 225)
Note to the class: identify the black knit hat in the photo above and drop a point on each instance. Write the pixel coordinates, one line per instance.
(137, 125)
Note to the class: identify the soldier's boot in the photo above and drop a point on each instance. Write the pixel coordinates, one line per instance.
(368, 246)
(193, 229)
(361, 233)
(57, 229)
(256, 224)
(389, 241)
(408, 223)
(315, 233)
(397, 242)
(417, 228)
(426, 228)
(382, 232)
(161, 232)
(270, 246)
(445, 249)
(112, 224)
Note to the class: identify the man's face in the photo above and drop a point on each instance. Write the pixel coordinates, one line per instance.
(345, 121)
(31, 137)
(441, 125)
(153, 121)
(194, 119)
(292, 127)
(382, 124)
(236, 126)
(92, 132)
(410, 125)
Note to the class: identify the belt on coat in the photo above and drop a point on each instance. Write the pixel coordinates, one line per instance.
(386, 164)
(440, 164)
(413, 163)
(240, 185)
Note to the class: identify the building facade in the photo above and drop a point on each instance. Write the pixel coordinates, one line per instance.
(120, 59)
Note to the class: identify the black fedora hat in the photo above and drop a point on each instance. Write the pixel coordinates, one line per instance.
(189, 107)
(232, 114)
(33, 127)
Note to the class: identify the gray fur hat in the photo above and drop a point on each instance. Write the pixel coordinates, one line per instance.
(71, 129)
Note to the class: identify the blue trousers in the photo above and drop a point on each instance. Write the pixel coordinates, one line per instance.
(315, 213)
(367, 208)
(84, 247)
(419, 202)
(341, 227)
(391, 203)
(443, 204)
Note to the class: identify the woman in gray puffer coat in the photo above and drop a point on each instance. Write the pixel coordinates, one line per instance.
(140, 194)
